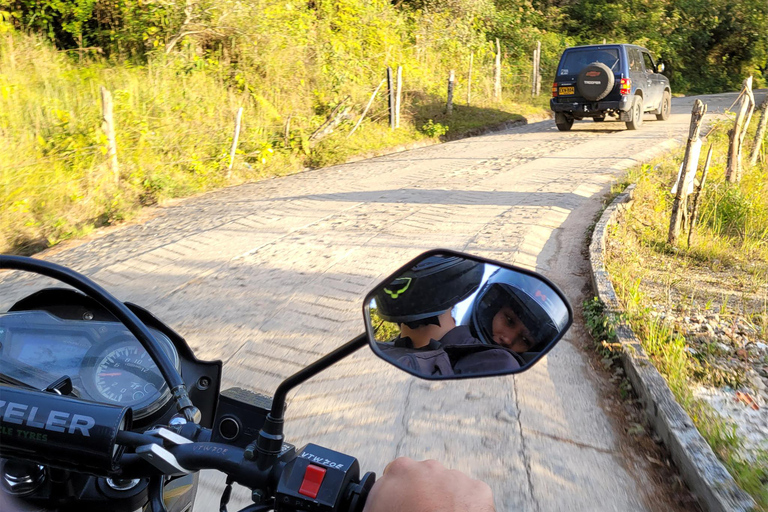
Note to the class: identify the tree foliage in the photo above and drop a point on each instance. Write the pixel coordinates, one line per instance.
(708, 45)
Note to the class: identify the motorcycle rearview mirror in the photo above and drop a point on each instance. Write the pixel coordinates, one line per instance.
(449, 315)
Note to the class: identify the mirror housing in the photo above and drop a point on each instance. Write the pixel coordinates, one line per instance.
(660, 67)
(450, 315)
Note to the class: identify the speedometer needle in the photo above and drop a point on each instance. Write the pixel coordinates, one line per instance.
(114, 374)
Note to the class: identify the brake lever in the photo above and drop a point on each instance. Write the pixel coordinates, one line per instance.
(159, 456)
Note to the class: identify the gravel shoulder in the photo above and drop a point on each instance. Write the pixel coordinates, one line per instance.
(714, 310)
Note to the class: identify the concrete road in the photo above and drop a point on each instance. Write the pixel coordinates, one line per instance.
(271, 275)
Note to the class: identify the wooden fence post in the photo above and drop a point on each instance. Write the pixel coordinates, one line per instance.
(449, 103)
(398, 95)
(536, 82)
(391, 92)
(497, 73)
(678, 206)
(370, 101)
(332, 121)
(733, 170)
(235, 138)
(538, 72)
(287, 132)
(469, 79)
(694, 209)
(533, 74)
(751, 111)
(108, 126)
(760, 133)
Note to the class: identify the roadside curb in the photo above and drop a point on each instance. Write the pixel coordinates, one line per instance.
(702, 471)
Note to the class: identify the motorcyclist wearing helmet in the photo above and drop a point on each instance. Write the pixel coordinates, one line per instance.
(517, 311)
(420, 302)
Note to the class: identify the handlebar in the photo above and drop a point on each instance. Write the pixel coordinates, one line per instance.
(315, 479)
(88, 437)
(198, 456)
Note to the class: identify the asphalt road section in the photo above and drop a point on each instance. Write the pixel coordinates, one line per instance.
(270, 276)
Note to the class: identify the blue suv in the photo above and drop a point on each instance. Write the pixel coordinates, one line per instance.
(620, 80)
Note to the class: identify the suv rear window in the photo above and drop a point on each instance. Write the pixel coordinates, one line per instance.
(576, 60)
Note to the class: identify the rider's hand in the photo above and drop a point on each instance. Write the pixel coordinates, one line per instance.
(410, 486)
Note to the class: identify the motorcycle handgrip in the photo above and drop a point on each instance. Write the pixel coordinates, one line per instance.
(61, 431)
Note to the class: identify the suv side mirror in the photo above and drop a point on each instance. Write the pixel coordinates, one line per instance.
(660, 67)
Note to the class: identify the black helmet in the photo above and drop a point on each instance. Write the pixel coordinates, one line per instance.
(536, 304)
(428, 289)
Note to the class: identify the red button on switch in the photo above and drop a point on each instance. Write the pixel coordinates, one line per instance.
(313, 477)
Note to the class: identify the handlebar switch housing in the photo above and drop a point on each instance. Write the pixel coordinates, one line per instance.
(317, 481)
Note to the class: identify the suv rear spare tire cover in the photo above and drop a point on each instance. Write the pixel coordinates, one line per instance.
(595, 81)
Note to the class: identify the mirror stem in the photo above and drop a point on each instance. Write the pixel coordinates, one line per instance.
(278, 402)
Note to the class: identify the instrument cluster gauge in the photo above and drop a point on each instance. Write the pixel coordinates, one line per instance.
(121, 371)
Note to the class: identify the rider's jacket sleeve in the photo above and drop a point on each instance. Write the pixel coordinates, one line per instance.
(430, 360)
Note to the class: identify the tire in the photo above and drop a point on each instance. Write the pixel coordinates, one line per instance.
(637, 114)
(595, 81)
(665, 107)
(563, 122)
(598, 119)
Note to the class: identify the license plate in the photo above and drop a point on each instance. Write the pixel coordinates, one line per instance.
(565, 91)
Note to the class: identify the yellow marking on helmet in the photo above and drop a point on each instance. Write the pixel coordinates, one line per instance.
(394, 295)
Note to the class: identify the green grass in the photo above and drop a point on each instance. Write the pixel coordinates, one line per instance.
(731, 240)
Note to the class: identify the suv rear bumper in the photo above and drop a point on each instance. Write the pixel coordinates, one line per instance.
(584, 108)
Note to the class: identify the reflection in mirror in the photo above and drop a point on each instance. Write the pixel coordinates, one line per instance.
(450, 316)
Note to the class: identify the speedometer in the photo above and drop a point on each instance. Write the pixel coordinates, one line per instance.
(123, 373)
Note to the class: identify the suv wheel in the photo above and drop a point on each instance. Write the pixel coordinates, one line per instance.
(664, 108)
(563, 122)
(637, 114)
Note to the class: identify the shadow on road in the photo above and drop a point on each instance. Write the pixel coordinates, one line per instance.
(427, 196)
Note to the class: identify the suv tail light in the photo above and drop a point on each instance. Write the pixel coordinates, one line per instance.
(554, 90)
(626, 86)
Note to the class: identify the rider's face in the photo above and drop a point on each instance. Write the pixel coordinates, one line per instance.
(510, 332)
